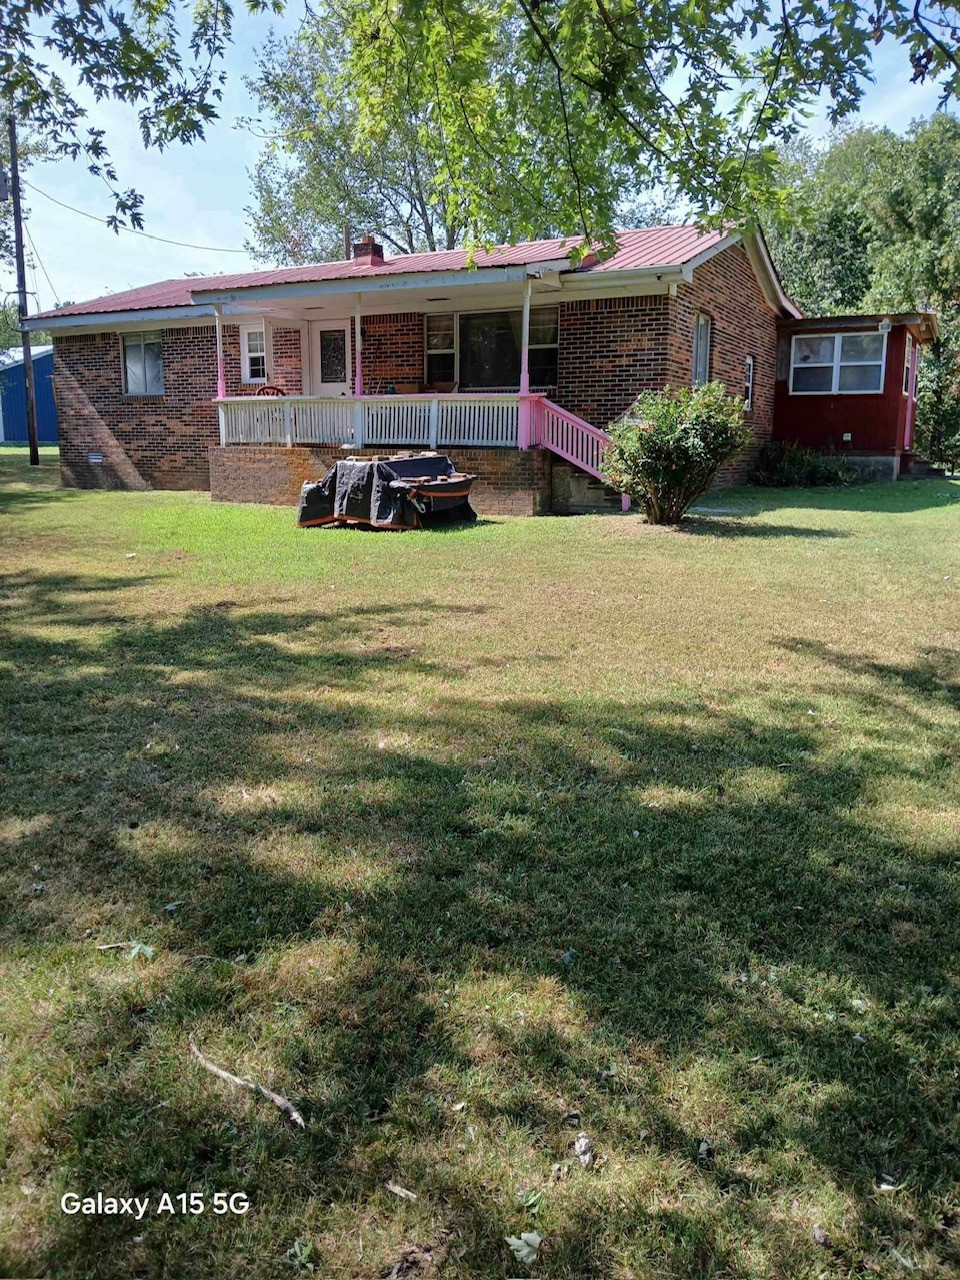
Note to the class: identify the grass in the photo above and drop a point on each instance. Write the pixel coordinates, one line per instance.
(468, 831)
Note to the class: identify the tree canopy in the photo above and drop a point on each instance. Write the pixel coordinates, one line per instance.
(320, 170)
(879, 230)
(313, 178)
(532, 113)
(163, 57)
(545, 107)
(879, 219)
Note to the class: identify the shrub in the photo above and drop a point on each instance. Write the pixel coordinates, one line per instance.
(668, 446)
(782, 465)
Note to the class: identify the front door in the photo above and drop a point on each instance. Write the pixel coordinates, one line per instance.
(330, 357)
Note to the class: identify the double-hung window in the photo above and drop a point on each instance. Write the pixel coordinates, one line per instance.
(253, 345)
(143, 364)
(701, 349)
(543, 346)
(441, 348)
(907, 362)
(837, 363)
(748, 384)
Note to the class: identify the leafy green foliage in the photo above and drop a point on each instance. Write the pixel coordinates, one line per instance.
(320, 170)
(316, 175)
(10, 328)
(938, 394)
(785, 465)
(667, 448)
(162, 57)
(545, 111)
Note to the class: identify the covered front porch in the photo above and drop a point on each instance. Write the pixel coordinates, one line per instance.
(464, 362)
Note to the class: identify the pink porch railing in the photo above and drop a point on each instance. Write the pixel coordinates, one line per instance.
(570, 437)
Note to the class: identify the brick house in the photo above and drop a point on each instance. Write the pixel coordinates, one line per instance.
(514, 363)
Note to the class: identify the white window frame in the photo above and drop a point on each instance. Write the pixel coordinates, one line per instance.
(155, 335)
(442, 351)
(837, 339)
(701, 321)
(482, 311)
(907, 362)
(246, 355)
(749, 366)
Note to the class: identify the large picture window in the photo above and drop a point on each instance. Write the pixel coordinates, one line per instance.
(143, 364)
(837, 363)
(481, 350)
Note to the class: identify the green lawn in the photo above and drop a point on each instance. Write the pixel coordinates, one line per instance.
(445, 836)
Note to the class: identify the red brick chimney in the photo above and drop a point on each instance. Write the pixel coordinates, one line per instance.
(368, 252)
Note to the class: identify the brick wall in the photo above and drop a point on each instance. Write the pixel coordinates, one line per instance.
(392, 351)
(159, 442)
(286, 371)
(610, 350)
(742, 323)
(509, 482)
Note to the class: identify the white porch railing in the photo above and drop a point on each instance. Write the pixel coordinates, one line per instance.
(423, 421)
(426, 421)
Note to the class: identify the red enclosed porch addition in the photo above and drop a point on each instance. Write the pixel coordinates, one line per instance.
(848, 385)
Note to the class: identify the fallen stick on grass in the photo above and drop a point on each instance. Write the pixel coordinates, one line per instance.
(113, 946)
(277, 1099)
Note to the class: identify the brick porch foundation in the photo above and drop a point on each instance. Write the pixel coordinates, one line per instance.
(510, 482)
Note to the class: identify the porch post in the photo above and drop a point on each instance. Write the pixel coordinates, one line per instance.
(357, 351)
(221, 374)
(911, 397)
(523, 409)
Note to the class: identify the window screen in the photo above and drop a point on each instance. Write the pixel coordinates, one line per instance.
(701, 349)
(143, 364)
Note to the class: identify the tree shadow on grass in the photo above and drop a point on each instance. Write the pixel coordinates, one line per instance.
(722, 527)
(882, 498)
(440, 924)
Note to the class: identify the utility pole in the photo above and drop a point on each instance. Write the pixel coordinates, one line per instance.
(22, 295)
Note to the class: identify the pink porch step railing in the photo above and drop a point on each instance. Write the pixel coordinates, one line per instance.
(570, 437)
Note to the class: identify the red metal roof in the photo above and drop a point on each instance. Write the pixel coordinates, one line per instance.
(649, 247)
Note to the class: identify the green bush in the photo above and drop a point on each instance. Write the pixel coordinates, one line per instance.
(782, 465)
(668, 446)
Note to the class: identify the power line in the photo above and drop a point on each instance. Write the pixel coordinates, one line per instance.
(46, 273)
(207, 248)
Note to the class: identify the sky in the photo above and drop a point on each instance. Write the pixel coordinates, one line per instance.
(197, 194)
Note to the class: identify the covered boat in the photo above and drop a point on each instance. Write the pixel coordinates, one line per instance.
(405, 491)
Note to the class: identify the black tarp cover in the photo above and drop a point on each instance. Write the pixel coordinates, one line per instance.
(398, 493)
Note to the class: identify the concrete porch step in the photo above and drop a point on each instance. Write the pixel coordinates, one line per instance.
(913, 467)
(575, 492)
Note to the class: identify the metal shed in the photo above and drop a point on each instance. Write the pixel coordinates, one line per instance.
(13, 405)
